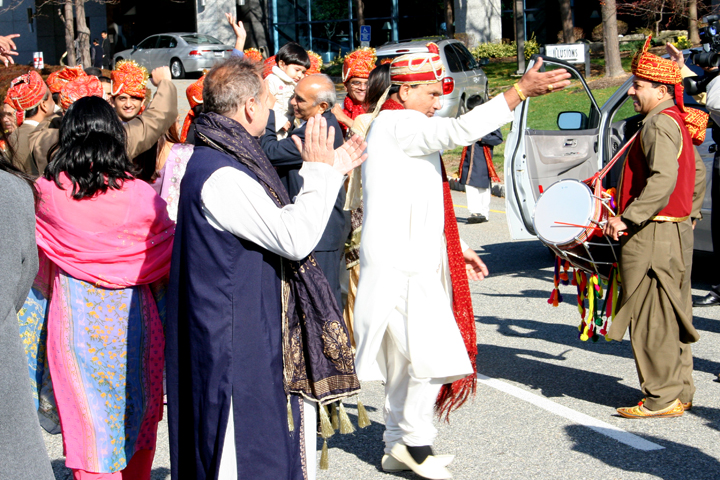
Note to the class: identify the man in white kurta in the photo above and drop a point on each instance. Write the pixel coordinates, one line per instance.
(405, 330)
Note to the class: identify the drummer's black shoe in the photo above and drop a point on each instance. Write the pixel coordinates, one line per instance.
(708, 300)
(477, 218)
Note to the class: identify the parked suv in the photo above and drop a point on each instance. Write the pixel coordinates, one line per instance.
(573, 140)
(463, 76)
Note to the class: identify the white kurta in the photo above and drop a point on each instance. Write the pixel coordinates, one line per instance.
(402, 252)
(234, 202)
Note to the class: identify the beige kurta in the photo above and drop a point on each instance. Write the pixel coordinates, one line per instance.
(655, 265)
(142, 131)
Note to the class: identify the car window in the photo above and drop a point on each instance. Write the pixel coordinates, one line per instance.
(543, 114)
(196, 39)
(167, 42)
(453, 61)
(625, 111)
(148, 42)
(466, 58)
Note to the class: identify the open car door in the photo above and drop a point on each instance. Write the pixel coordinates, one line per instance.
(552, 138)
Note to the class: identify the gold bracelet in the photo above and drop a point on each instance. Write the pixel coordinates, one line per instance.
(519, 92)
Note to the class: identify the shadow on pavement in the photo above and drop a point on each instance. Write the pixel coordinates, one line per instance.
(518, 365)
(526, 259)
(674, 462)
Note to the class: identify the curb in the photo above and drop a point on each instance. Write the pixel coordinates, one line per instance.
(498, 189)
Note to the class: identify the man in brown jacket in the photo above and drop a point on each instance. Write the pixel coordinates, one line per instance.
(143, 131)
(660, 194)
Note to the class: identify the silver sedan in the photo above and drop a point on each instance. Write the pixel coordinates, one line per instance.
(182, 52)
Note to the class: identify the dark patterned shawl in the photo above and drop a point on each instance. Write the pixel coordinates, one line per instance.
(317, 357)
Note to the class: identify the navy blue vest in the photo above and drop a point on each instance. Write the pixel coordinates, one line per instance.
(224, 337)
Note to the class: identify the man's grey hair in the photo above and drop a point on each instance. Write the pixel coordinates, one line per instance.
(230, 84)
(327, 94)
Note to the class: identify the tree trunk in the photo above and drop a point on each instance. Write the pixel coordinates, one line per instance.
(567, 23)
(67, 18)
(659, 20)
(360, 12)
(692, 22)
(83, 34)
(450, 18)
(613, 67)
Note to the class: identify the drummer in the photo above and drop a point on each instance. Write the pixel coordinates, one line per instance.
(661, 189)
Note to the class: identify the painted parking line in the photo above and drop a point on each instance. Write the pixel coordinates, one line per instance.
(599, 426)
(465, 207)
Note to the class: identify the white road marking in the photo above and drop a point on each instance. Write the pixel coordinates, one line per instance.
(580, 418)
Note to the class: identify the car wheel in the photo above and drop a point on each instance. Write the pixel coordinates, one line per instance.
(119, 59)
(176, 68)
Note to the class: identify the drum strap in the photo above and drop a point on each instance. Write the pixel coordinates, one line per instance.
(601, 174)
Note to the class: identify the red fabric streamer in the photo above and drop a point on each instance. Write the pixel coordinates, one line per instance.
(453, 395)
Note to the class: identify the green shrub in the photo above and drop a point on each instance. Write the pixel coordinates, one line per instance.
(531, 47)
(632, 46)
(682, 42)
(495, 50)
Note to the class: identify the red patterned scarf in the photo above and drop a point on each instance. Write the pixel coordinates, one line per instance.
(352, 109)
(453, 395)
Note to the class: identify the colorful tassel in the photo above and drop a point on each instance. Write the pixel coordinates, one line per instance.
(363, 419)
(346, 425)
(324, 457)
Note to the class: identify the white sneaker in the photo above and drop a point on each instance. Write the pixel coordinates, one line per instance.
(431, 468)
(390, 464)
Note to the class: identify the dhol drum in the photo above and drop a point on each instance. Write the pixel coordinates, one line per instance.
(569, 218)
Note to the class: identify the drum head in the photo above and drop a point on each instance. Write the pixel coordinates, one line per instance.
(568, 201)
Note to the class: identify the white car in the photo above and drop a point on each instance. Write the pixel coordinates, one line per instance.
(548, 145)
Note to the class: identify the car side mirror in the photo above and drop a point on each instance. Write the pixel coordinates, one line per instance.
(572, 121)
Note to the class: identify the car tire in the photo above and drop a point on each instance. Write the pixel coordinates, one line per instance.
(462, 107)
(176, 68)
(119, 59)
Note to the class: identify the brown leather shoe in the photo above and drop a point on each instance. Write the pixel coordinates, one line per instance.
(675, 409)
(687, 406)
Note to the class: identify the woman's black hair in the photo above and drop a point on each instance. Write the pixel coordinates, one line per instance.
(293, 54)
(378, 82)
(92, 149)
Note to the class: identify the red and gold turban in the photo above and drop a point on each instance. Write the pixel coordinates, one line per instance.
(268, 65)
(358, 63)
(57, 80)
(253, 54)
(83, 86)
(26, 92)
(652, 68)
(130, 78)
(194, 96)
(417, 68)
(315, 63)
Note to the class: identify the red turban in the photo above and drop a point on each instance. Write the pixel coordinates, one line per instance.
(194, 96)
(26, 92)
(315, 63)
(57, 80)
(253, 54)
(358, 64)
(417, 68)
(268, 66)
(652, 68)
(130, 78)
(83, 86)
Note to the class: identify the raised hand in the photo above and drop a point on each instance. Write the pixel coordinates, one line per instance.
(535, 83)
(350, 155)
(318, 146)
(675, 54)
(240, 33)
(159, 74)
(8, 48)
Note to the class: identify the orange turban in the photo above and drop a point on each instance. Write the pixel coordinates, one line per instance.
(83, 86)
(130, 78)
(652, 68)
(57, 80)
(26, 92)
(194, 96)
(253, 54)
(417, 68)
(358, 64)
(315, 63)
(268, 65)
